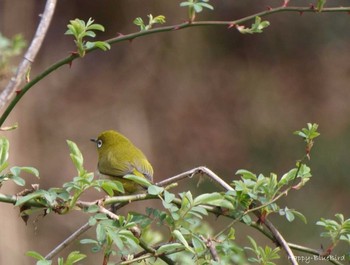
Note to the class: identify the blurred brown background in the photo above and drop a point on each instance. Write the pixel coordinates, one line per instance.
(200, 96)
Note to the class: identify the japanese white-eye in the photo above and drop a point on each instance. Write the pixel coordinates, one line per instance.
(118, 156)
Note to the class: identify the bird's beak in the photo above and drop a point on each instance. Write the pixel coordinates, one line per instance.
(93, 140)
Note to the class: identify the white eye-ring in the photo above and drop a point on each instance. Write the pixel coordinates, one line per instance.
(99, 143)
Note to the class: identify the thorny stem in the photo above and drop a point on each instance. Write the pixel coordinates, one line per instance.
(184, 25)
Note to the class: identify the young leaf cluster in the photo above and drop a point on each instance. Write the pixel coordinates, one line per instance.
(151, 21)
(184, 218)
(113, 232)
(257, 27)
(254, 192)
(14, 173)
(320, 4)
(81, 29)
(8, 49)
(73, 257)
(337, 230)
(196, 6)
(308, 134)
(265, 255)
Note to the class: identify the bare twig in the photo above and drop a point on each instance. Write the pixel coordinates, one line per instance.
(209, 244)
(30, 55)
(281, 241)
(191, 173)
(67, 241)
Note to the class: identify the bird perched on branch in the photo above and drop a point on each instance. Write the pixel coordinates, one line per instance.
(118, 156)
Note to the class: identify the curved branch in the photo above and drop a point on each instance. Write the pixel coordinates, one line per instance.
(67, 241)
(184, 25)
(30, 55)
(274, 234)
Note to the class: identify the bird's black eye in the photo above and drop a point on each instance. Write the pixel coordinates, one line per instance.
(99, 143)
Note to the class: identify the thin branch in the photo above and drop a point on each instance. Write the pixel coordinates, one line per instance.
(30, 55)
(191, 173)
(128, 37)
(152, 251)
(281, 241)
(68, 241)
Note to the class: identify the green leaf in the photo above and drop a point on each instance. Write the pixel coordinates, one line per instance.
(198, 245)
(16, 171)
(155, 190)
(100, 233)
(3, 166)
(76, 157)
(139, 180)
(197, 8)
(199, 209)
(31, 170)
(169, 248)
(98, 44)
(289, 176)
(110, 187)
(96, 27)
(116, 239)
(231, 234)
(31, 196)
(139, 22)
(320, 5)
(159, 19)
(74, 257)
(4, 150)
(102, 45)
(181, 238)
(35, 255)
(168, 197)
(90, 33)
(88, 241)
(290, 216)
(246, 219)
(246, 174)
(93, 208)
(207, 6)
(92, 221)
(183, 4)
(215, 199)
(44, 262)
(300, 216)
(207, 198)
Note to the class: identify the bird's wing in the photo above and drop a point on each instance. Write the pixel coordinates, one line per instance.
(120, 168)
(144, 167)
(139, 166)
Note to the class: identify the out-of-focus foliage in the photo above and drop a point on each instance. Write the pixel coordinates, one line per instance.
(8, 49)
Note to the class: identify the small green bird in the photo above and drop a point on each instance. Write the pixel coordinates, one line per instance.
(118, 156)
